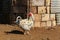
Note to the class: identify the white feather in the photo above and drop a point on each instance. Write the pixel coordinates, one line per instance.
(26, 24)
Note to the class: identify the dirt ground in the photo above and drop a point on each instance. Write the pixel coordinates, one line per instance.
(13, 32)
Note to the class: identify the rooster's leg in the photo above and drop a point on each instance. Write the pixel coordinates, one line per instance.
(27, 32)
(24, 32)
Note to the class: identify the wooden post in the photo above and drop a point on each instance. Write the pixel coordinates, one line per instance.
(28, 6)
(13, 2)
(45, 5)
(50, 6)
(37, 9)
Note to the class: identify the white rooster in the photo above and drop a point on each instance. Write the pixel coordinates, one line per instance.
(26, 24)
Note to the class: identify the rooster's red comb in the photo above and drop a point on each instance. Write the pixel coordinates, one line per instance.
(30, 14)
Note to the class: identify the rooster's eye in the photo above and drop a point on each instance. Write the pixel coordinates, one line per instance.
(18, 18)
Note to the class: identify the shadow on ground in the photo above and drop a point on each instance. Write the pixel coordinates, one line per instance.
(14, 32)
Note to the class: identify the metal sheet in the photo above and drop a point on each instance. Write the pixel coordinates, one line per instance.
(58, 18)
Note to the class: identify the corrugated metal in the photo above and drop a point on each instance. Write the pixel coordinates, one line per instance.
(58, 18)
(55, 6)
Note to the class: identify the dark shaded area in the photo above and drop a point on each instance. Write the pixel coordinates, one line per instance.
(5, 9)
(9, 12)
(4, 18)
(15, 32)
(20, 9)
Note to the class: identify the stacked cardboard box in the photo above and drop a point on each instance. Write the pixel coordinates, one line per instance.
(49, 20)
(48, 2)
(37, 17)
(52, 16)
(45, 17)
(51, 23)
(54, 23)
(43, 24)
(37, 24)
(44, 20)
(48, 23)
(41, 10)
(37, 20)
(48, 10)
(33, 9)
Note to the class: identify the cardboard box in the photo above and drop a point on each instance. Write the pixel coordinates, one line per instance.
(48, 10)
(48, 23)
(48, 2)
(33, 9)
(54, 23)
(52, 16)
(37, 2)
(41, 10)
(37, 24)
(45, 17)
(37, 17)
(43, 24)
